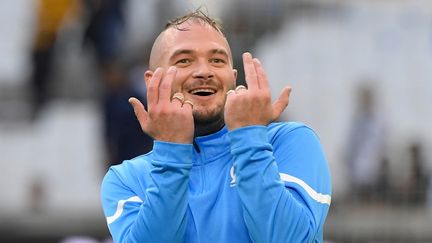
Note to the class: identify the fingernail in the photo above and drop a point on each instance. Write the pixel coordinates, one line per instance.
(172, 69)
(247, 54)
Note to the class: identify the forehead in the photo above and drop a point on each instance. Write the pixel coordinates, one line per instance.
(195, 36)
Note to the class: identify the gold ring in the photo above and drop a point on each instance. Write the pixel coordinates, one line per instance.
(178, 96)
(240, 87)
(230, 92)
(188, 102)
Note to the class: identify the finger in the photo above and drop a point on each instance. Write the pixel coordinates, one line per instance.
(230, 92)
(153, 87)
(165, 86)
(139, 110)
(188, 103)
(178, 99)
(250, 72)
(281, 103)
(261, 75)
(240, 89)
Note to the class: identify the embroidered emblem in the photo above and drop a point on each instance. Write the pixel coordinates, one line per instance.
(233, 177)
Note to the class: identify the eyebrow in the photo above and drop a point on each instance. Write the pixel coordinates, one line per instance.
(179, 52)
(219, 51)
(188, 51)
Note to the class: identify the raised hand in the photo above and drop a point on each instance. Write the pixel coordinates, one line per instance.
(168, 118)
(252, 106)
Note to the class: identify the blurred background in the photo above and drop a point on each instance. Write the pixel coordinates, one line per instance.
(361, 72)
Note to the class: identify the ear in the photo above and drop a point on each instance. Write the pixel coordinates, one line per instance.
(147, 76)
(235, 76)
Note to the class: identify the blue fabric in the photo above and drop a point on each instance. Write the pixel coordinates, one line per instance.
(252, 184)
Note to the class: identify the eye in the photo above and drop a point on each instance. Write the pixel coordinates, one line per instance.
(183, 61)
(217, 60)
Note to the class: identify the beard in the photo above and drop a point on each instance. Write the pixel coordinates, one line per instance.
(208, 121)
(206, 116)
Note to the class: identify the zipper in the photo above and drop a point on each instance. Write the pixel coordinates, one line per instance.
(202, 166)
(196, 146)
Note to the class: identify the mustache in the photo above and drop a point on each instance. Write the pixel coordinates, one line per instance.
(196, 83)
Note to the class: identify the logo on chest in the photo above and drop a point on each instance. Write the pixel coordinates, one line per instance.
(233, 177)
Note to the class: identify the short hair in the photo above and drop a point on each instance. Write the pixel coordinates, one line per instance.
(197, 15)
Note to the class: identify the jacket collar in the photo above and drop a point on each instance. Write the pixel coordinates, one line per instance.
(211, 146)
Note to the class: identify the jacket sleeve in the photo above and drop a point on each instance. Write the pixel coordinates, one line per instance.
(284, 184)
(148, 202)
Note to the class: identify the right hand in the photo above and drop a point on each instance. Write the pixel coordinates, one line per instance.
(167, 119)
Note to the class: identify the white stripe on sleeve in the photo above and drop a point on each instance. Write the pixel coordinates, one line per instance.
(321, 198)
(120, 207)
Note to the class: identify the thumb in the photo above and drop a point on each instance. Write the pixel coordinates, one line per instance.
(281, 103)
(139, 110)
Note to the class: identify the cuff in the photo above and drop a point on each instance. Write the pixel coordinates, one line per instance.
(248, 136)
(172, 152)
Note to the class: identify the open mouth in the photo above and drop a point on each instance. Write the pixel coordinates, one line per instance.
(203, 91)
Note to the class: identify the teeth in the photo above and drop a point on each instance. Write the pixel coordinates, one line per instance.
(195, 91)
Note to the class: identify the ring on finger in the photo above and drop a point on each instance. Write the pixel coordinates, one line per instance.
(240, 87)
(188, 102)
(179, 97)
(230, 92)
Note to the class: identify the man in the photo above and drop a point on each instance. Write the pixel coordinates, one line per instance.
(220, 170)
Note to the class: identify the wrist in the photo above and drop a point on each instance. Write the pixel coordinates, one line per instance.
(235, 126)
(175, 140)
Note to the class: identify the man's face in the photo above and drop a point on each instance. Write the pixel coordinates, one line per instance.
(204, 67)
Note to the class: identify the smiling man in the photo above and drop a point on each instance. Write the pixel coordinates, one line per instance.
(204, 72)
(221, 169)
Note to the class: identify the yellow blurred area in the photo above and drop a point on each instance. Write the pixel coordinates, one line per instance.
(51, 15)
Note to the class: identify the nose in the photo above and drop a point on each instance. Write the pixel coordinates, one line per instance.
(203, 70)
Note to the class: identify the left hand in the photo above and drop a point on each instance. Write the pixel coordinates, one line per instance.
(252, 106)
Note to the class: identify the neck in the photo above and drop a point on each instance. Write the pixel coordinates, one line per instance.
(203, 129)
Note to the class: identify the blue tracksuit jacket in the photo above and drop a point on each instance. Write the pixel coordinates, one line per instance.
(258, 184)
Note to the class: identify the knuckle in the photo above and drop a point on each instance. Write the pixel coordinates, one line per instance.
(151, 89)
(254, 96)
(176, 112)
(266, 95)
(165, 112)
(161, 111)
(165, 84)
